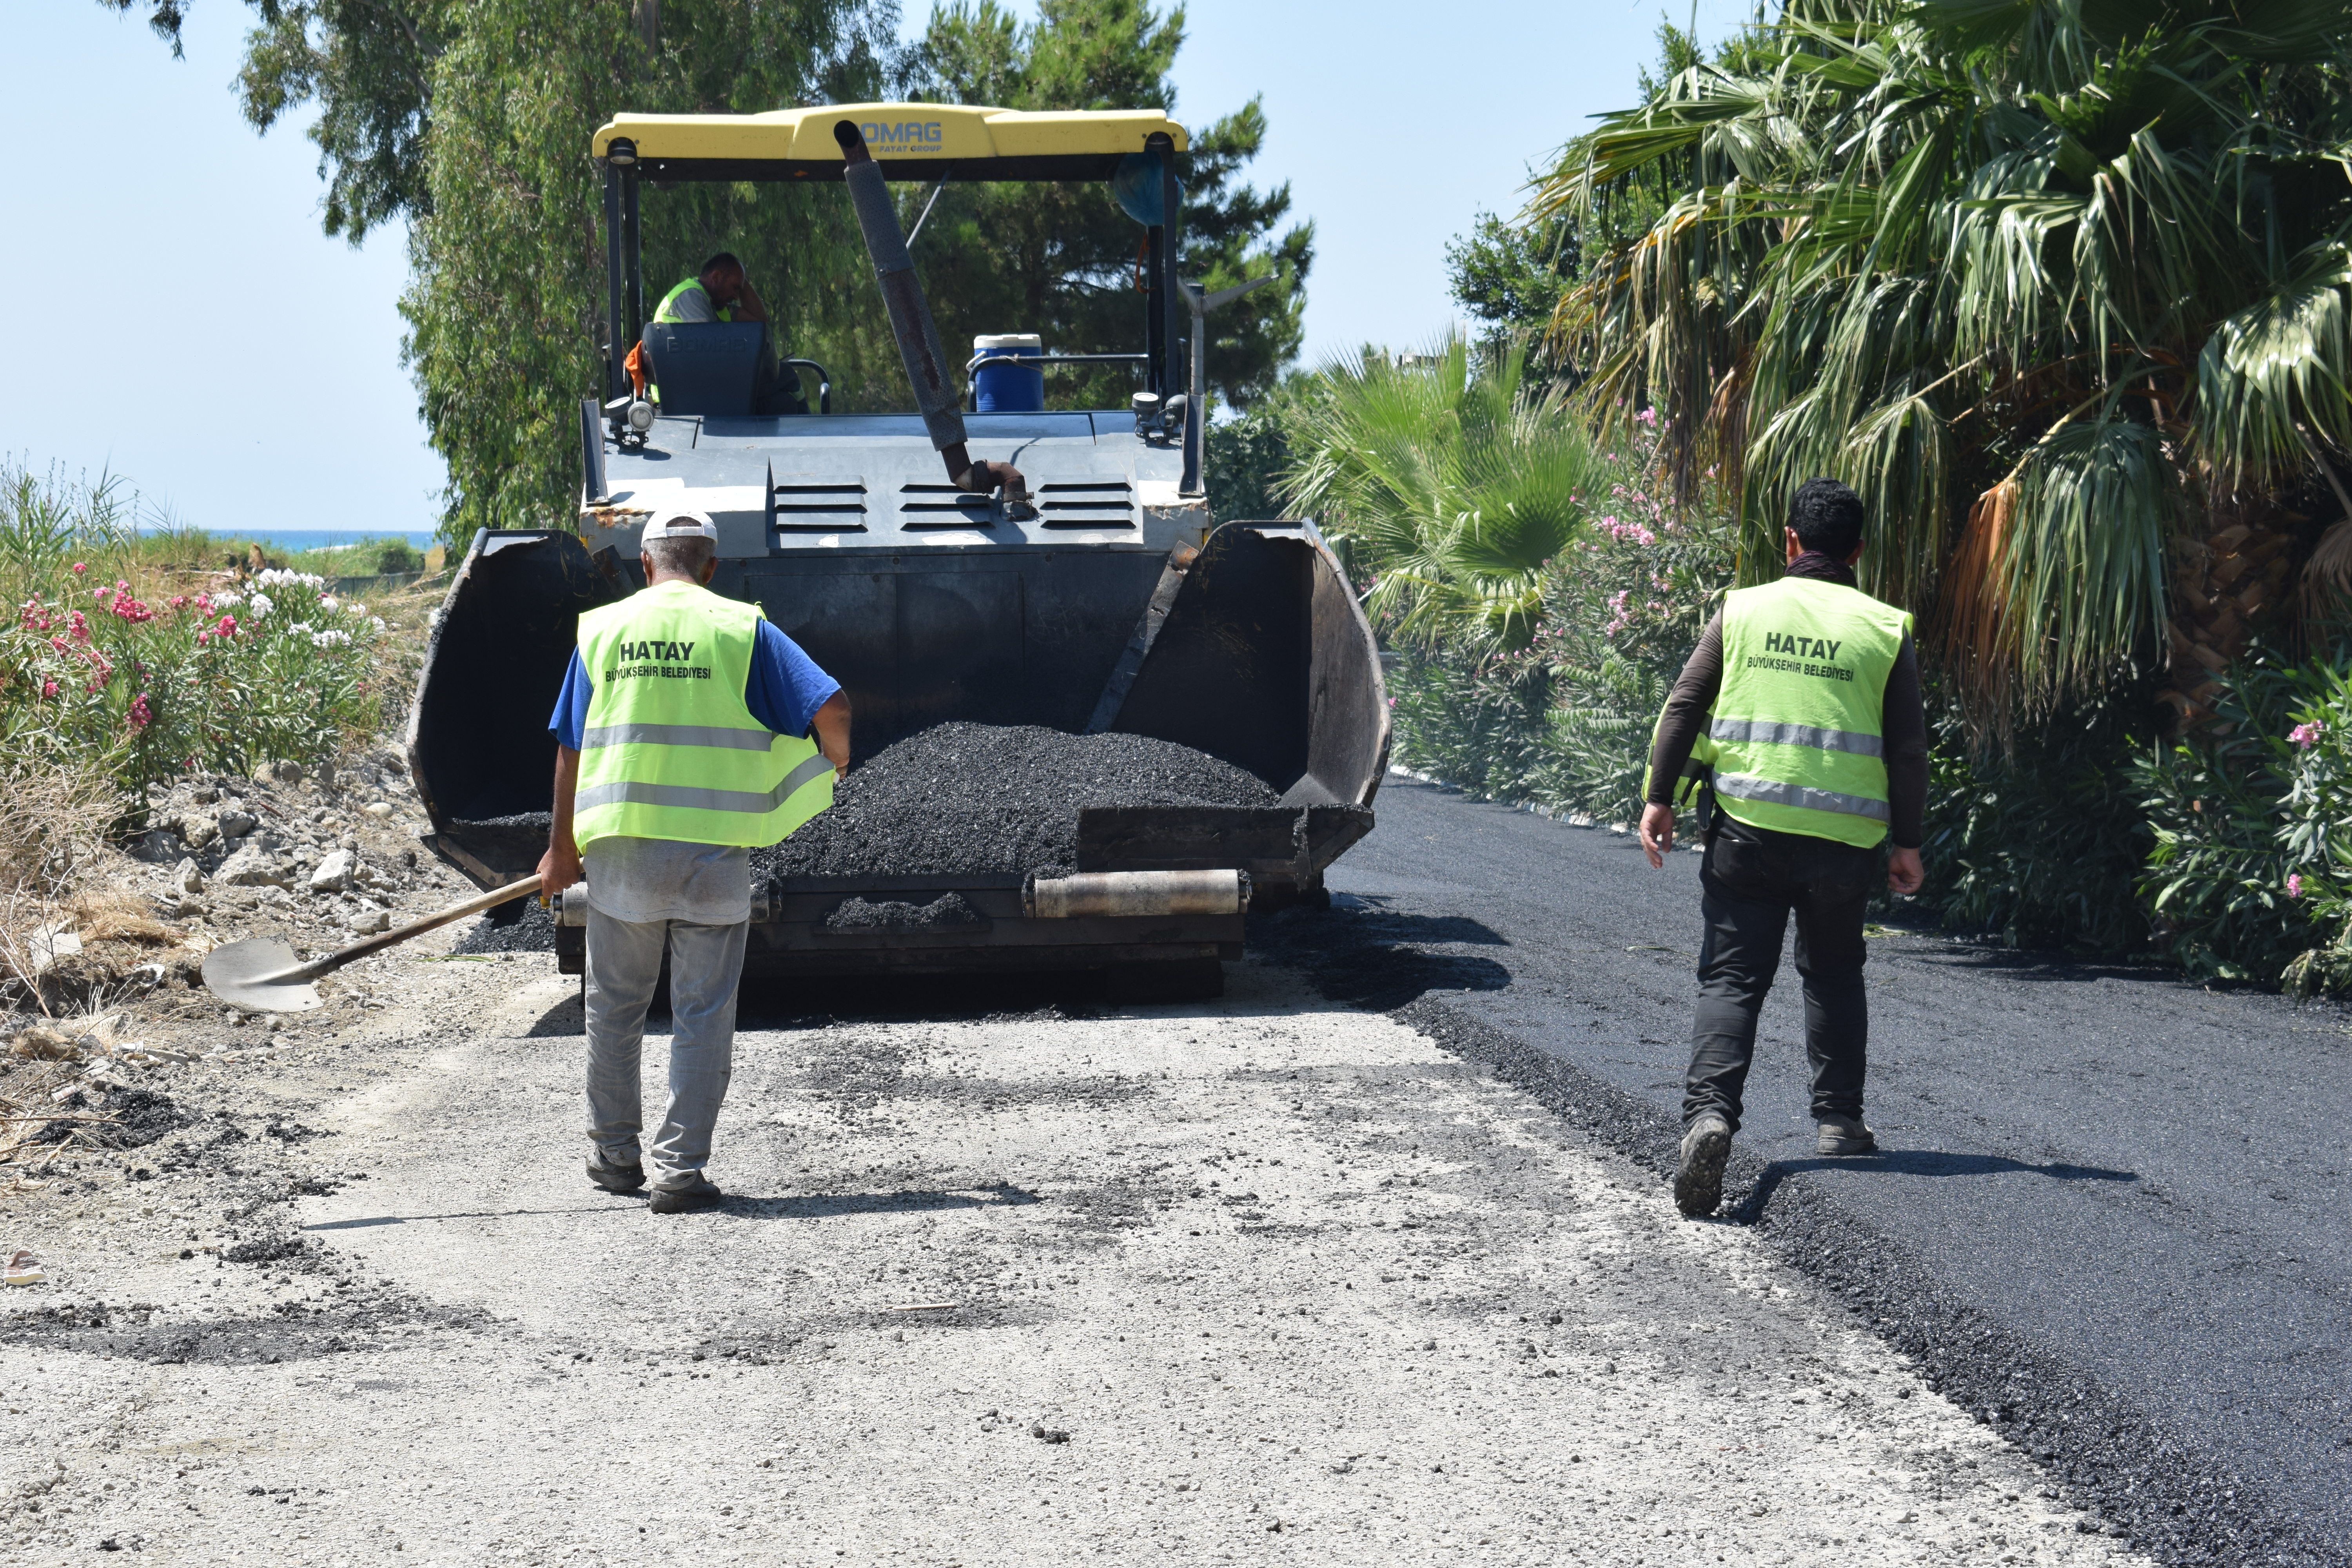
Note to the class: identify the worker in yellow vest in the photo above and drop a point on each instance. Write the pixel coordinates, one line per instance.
(722, 291)
(1802, 706)
(689, 732)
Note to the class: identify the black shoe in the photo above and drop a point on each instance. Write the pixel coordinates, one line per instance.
(703, 1194)
(615, 1178)
(1699, 1184)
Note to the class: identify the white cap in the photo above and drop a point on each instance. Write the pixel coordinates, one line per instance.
(681, 525)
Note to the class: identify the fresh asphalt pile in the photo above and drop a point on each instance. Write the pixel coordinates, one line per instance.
(2107, 1220)
(988, 799)
(522, 926)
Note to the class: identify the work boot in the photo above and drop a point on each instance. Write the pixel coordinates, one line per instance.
(1845, 1135)
(702, 1195)
(615, 1178)
(1699, 1185)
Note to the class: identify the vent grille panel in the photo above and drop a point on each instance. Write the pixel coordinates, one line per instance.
(944, 506)
(820, 508)
(1099, 504)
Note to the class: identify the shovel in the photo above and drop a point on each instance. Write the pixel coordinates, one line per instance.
(262, 974)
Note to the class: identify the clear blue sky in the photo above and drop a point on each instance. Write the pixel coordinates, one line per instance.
(182, 322)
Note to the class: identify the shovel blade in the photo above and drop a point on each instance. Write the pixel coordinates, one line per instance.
(239, 973)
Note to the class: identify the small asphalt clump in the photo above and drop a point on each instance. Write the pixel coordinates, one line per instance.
(891, 914)
(987, 799)
(522, 926)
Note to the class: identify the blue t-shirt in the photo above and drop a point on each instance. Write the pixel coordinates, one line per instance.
(783, 690)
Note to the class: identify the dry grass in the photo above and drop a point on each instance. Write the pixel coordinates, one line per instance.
(52, 824)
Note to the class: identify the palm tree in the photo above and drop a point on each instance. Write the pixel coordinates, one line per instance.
(2063, 288)
(1454, 482)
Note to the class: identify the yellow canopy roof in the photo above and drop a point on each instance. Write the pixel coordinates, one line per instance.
(910, 140)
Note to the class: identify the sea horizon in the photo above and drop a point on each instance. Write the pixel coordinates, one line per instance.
(298, 539)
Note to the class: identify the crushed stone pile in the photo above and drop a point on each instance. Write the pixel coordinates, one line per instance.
(963, 799)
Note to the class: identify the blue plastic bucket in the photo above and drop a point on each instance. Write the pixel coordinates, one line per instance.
(999, 384)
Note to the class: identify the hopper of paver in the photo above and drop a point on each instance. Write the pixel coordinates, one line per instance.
(1052, 576)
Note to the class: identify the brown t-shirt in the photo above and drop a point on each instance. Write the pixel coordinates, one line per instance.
(1903, 724)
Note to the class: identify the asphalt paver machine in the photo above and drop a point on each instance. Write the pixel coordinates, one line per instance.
(1056, 568)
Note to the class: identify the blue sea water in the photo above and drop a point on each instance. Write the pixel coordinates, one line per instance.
(293, 539)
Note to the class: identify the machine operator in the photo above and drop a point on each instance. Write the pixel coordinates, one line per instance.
(689, 731)
(1802, 698)
(721, 291)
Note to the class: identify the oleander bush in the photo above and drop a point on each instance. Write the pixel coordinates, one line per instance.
(115, 667)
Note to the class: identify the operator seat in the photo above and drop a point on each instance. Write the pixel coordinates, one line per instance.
(705, 367)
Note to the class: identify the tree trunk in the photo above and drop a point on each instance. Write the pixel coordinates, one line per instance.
(2228, 585)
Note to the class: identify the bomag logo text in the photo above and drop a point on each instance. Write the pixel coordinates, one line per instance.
(904, 136)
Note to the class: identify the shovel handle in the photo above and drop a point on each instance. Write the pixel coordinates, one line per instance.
(473, 906)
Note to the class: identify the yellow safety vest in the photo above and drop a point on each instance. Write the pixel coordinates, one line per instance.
(669, 750)
(1797, 728)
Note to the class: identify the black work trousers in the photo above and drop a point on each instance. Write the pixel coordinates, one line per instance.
(1752, 881)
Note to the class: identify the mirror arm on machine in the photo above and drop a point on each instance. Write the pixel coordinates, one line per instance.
(1202, 304)
(917, 334)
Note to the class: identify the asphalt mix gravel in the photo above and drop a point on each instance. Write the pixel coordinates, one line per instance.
(522, 926)
(996, 799)
(2107, 1215)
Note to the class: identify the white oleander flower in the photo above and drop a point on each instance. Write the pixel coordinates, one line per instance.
(262, 604)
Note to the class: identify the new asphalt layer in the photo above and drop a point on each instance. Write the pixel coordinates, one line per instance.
(2109, 1211)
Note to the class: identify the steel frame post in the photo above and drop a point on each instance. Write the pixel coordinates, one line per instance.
(617, 378)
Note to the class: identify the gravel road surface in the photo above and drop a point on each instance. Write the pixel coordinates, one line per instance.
(1264, 1279)
(2110, 1209)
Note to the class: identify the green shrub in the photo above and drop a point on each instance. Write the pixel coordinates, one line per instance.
(130, 679)
(2043, 847)
(2251, 874)
(399, 555)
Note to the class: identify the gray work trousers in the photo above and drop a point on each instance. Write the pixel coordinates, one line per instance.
(624, 964)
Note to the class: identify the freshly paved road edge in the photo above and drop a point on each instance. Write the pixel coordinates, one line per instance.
(2103, 1454)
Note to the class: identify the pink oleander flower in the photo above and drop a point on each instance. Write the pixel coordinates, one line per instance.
(2295, 884)
(49, 689)
(227, 628)
(2305, 735)
(80, 567)
(140, 715)
(204, 604)
(101, 593)
(179, 601)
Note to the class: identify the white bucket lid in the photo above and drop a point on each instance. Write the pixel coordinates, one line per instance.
(1008, 341)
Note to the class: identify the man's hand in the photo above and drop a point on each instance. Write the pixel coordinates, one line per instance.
(749, 306)
(831, 724)
(559, 867)
(1903, 872)
(1657, 833)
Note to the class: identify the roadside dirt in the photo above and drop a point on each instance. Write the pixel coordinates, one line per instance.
(1262, 1278)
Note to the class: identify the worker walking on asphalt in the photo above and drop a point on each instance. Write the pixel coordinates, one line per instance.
(689, 731)
(1799, 716)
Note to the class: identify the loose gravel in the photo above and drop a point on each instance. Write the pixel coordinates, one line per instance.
(1258, 1279)
(988, 799)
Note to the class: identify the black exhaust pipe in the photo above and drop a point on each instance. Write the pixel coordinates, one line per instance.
(917, 334)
